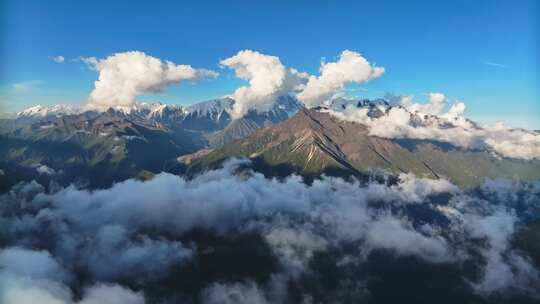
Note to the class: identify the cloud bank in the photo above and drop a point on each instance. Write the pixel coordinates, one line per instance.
(150, 241)
(408, 119)
(124, 76)
(435, 106)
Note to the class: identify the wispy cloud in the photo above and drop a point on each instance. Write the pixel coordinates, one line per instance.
(91, 62)
(26, 85)
(58, 59)
(494, 64)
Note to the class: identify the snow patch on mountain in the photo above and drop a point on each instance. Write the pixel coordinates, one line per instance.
(407, 119)
(43, 111)
(163, 113)
(212, 108)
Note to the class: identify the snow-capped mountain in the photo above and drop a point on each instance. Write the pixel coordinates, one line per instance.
(376, 107)
(211, 108)
(341, 103)
(40, 111)
(122, 142)
(354, 134)
(214, 111)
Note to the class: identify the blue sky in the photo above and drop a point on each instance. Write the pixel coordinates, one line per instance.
(485, 53)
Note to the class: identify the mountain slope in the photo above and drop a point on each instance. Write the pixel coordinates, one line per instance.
(104, 147)
(313, 142)
(284, 108)
(100, 149)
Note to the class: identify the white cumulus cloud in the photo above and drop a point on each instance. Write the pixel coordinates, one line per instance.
(268, 79)
(111, 294)
(124, 76)
(46, 170)
(350, 68)
(237, 293)
(58, 59)
(436, 104)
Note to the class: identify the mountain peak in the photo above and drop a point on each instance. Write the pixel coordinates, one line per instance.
(39, 111)
(315, 142)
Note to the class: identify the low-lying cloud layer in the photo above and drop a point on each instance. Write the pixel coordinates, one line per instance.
(264, 241)
(408, 119)
(124, 76)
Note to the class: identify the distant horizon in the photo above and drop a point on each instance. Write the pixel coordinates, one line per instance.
(488, 121)
(486, 58)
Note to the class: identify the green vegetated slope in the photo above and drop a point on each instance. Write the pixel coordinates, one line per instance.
(314, 142)
(100, 149)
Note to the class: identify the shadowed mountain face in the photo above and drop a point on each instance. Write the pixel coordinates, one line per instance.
(330, 240)
(314, 142)
(104, 147)
(101, 148)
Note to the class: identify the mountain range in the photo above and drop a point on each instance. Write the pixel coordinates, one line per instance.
(103, 147)
(69, 144)
(393, 210)
(314, 142)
